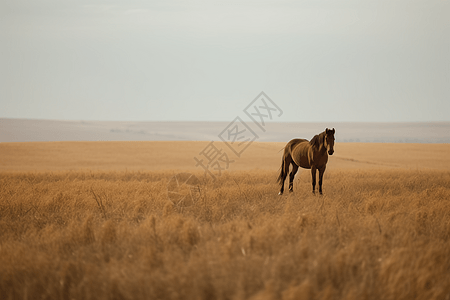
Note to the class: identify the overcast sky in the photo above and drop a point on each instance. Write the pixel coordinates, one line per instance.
(207, 60)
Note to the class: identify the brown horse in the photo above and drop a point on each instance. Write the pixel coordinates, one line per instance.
(309, 155)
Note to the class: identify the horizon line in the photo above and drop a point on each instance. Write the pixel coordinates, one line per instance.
(211, 121)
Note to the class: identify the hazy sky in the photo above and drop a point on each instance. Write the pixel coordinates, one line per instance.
(206, 60)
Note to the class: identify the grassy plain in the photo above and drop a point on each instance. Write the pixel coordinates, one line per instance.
(93, 221)
(153, 156)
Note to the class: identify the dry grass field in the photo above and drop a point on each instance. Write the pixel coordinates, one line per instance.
(94, 221)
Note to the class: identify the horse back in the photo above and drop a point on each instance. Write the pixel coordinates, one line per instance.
(292, 143)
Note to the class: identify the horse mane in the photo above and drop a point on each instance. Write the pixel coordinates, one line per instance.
(318, 140)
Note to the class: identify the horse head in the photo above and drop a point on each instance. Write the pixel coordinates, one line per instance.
(328, 140)
(324, 140)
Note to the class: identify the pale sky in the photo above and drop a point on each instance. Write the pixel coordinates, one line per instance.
(356, 60)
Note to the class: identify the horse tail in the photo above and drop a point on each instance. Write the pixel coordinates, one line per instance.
(282, 174)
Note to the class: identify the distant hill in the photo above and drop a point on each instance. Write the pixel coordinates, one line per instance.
(26, 130)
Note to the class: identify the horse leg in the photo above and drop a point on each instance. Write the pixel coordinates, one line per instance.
(282, 187)
(291, 177)
(321, 171)
(313, 175)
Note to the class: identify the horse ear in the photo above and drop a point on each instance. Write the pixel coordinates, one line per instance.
(326, 130)
(333, 131)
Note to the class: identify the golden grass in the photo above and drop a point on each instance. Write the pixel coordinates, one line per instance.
(375, 234)
(153, 156)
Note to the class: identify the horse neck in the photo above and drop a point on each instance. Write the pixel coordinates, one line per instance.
(322, 141)
(324, 151)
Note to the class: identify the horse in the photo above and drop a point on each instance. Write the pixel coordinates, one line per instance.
(308, 155)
